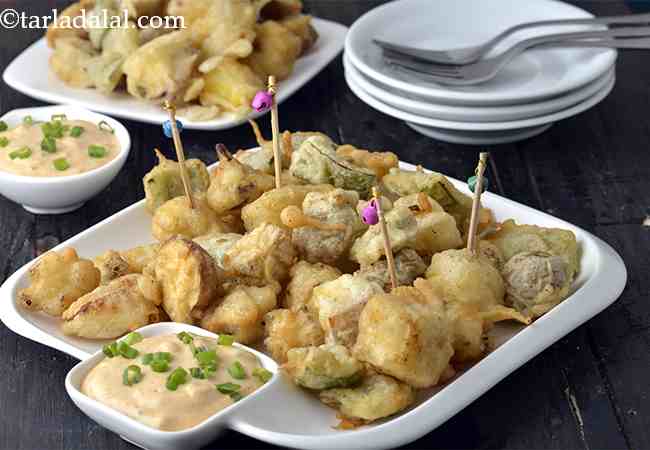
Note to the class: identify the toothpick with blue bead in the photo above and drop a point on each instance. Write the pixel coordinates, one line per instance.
(477, 184)
(263, 101)
(172, 129)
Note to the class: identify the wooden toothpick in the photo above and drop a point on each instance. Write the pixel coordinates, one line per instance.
(275, 126)
(180, 152)
(388, 249)
(472, 240)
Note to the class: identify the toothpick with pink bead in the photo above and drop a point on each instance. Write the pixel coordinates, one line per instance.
(263, 101)
(372, 214)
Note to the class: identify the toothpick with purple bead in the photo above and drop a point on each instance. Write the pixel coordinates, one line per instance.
(372, 214)
(172, 129)
(477, 184)
(263, 101)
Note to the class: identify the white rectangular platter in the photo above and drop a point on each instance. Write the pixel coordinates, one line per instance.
(30, 74)
(302, 421)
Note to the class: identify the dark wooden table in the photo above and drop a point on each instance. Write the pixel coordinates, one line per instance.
(590, 390)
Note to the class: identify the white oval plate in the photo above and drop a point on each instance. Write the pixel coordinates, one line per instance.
(30, 74)
(296, 419)
(479, 137)
(409, 103)
(479, 126)
(534, 75)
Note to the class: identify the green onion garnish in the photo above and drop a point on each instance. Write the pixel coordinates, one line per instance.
(131, 375)
(110, 350)
(59, 117)
(236, 396)
(185, 337)
(75, 132)
(22, 153)
(133, 338)
(126, 350)
(3, 126)
(206, 357)
(226, 339)
(97, 151)
(61, 164)
(53, 130)
(262, 374)
(4, 142)
(48, 144)
(228, 388)
(163, 356)
(147, 359)
(28, 120)
(237, 371)
(104, 126)
(176, 378)
(159, 365)
(198, 373)
(150, 358)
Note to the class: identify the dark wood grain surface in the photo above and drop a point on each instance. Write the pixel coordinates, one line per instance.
(589, 391)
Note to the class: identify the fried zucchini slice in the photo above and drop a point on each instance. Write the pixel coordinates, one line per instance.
(70, 60)
(241, 313)
(56, 280)
(217, 245)
(111, 265)
(231, 85)
(323, 367)
(189, 279)
(177, 218)
(60, 30)
(376, 397)
(140, 257)
(300, 25)
(305, 277)
(408, 266)
(164, 182)
(112, 310)
(276, 49)
(286, 329)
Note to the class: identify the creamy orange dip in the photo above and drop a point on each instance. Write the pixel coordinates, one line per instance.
(56, 148)
(150, 402)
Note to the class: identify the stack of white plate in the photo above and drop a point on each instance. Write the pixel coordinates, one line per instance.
(534, 91)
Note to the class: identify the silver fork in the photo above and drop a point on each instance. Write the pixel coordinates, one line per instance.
(486, 69)
(468, 55)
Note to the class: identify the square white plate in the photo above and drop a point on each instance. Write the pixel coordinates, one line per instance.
(30, 74)
(302, 421)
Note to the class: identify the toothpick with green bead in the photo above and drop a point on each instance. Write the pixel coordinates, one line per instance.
(477, 184)
(172, 129)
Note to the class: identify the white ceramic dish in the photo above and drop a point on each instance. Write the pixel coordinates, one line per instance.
(480, 126)
(411, 104)
(151, 438)
(292, 418)
(479, 137)
(58, 195)
(534, 75)
(29, 73)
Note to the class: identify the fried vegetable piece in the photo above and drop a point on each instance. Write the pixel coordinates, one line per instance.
(406, 334)
(376, 397)
(327, 227)
(189, 279)
(268, 208)
(241, 313)
(305, 277)
(231, 85)
(164, 183)
(148, 8)
(300, 25)
(474, 292)
(402, 229)
(265, 253)
(61, 30)
(70, 60)
(177, 218)
(162, 67)
(118, 43)
(323, 367)
(278, 9)
(276, 49)
(436, 230)
(100, 18)
(408, 265)
(286, 330)
(234, 184)
(338, 304)
(379, 162)
(536, 282)
(217, 245)
(140, 257)
(112, 310)
(111, 265)
(57, 279)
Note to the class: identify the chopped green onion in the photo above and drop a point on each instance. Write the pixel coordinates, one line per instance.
(53, 130)
(59, 117)
(48, 144)
(237, 371)
(176, 378)
(75, 132)
(133, 338)
(228, 388)
(197, 350)
(4, 142)
(3, 126)
(28, 120)
(147, 359)
(97, 151)
(206, 357)
(162, 356)
(159, 365)
(131, 375)
(22, 153)
(226, 339)
(236, 396)
(185, 337)
(126, 350)
(61, 164)
(104, 126)
(110, 350)
(198, 373)
(262, 374)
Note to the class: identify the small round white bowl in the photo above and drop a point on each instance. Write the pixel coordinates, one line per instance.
(58, 195)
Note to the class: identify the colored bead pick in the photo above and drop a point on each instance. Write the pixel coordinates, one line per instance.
(263, 101)
(471, 183)
(370, 215)
(167, 128)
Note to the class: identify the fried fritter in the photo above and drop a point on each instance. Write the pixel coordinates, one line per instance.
(408, 266)
(177, 218)
(217, 245)
(140, 257)
(323, 367)
(286, 329)
(304, 278)
(70, 60)
(276, 49)
(111, 265)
